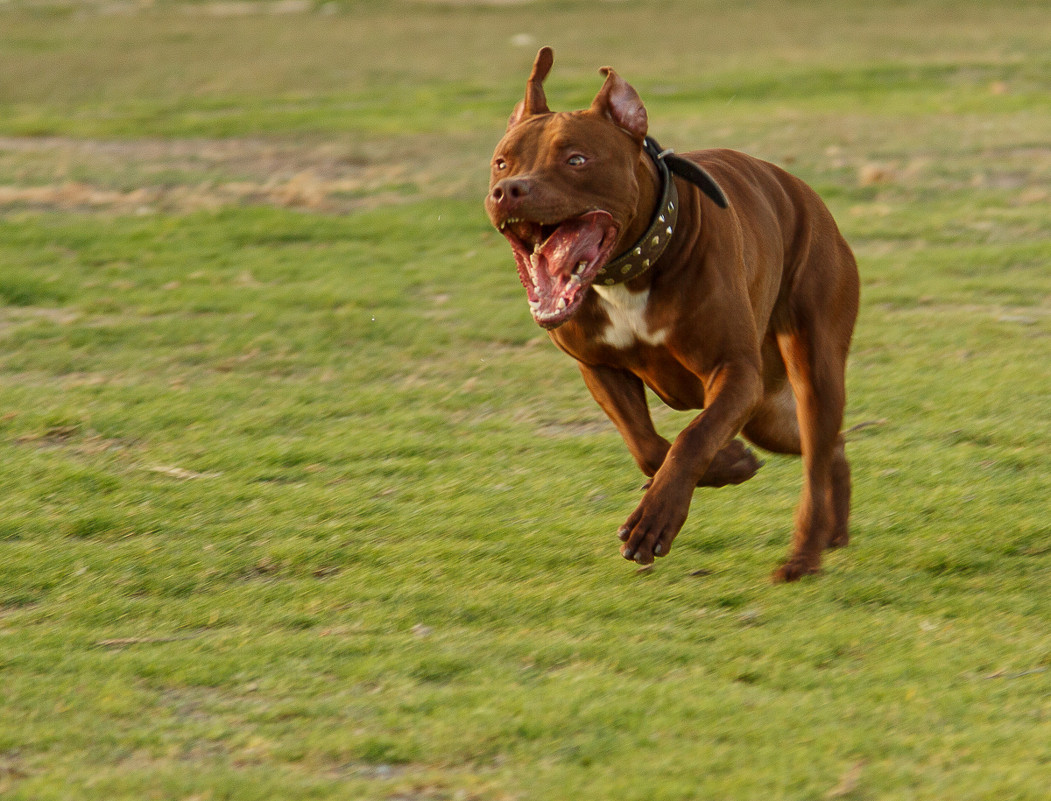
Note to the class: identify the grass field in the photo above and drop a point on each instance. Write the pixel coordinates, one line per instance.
(298, 503)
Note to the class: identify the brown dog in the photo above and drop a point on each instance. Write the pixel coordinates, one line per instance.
(725, 287)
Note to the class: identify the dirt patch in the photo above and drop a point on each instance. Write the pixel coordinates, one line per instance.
(147, 175)
(304, 190)
(187, 175)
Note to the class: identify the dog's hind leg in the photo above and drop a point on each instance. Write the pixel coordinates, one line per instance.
(775, 427)
(820, 399)
(840, 499)
(734, 464)
(813, 346)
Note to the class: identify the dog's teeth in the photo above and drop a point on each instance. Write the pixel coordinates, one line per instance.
(581, 266)
(536, 248)
(561, 304)
(534, 267)
(574, 281)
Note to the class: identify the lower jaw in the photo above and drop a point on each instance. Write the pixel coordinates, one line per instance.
(549, 325)
(554, 319)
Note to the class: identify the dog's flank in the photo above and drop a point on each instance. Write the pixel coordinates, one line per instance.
(741, 302)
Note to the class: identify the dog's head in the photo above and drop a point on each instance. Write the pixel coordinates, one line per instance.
(563, 189)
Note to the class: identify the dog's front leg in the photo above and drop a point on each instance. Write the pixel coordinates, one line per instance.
(622, 397)
(733, 389)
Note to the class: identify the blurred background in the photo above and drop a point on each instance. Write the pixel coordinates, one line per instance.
(297, 502)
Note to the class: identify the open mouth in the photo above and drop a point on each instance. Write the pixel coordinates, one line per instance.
(558, 262)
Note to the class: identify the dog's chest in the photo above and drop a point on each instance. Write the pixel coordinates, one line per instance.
(627, 318)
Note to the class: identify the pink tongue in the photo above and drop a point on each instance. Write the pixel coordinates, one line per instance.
(574, 241)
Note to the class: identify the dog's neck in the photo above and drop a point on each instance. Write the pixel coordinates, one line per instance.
(650, 186)
(652, 226)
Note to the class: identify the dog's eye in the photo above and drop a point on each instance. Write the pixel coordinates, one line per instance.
(500, 164)
(576, 160)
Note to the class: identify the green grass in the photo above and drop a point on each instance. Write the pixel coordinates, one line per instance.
(297, 502)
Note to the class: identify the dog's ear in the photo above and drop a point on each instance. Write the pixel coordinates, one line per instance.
(535, 100)
(516, 115)
(622, 104)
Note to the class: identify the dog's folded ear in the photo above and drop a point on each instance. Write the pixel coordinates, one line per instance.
(619, 101)
(535, 101)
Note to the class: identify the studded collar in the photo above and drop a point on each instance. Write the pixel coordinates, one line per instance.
(641, 256)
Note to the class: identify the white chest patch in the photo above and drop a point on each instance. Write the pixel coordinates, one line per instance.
(627, 317)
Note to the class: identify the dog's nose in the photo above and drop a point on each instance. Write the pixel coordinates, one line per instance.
(510, 190)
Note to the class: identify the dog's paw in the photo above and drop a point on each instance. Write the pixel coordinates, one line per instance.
(794, 569)
(651, 528)
(734, 464)
(840, 540)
